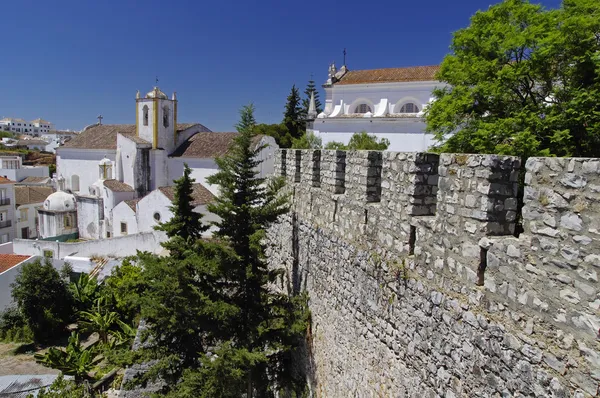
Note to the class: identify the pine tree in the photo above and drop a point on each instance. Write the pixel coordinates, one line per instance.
(268, 325)
(293, 117)
(310, 87)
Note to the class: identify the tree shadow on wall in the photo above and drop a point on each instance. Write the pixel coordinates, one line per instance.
(304, 364)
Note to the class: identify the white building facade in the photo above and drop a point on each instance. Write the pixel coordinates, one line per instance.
(388, 103)
(28, 200)
(11, 167)
(34, 128)
(7, 210)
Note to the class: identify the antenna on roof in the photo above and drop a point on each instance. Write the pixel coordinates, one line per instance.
(344, 57)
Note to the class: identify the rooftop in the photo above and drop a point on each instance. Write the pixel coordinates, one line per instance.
(390, 75)
(131, 203)
(104, 136)
(207, 145)
(117, 186)
(200, 194)
(35, 180)
(7, 261)
(31, 142)
(25, 195)
(4, 180)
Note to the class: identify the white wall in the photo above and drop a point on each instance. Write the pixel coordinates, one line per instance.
(9, 210)
(84, 163)
(30, 223)
(152, 203)
(123, 213)
(89, 224)
(24, 172)
(201, 169)
(113, 247)
(6, 278)
(404, 134)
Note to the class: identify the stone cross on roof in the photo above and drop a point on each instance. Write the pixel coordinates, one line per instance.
(100, 117)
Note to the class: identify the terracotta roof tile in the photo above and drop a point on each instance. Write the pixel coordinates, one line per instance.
(25, 195)
(104, 136)
(31, 142)
(117, 186)
(4, 180)
(7, 261)
(131, 203)
(389, 75)
(200, 194)
(207, 145)
(34, 180)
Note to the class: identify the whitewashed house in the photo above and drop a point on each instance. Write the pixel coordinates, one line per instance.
(7, 210)
(11, 167)
(142, 215)
(387, 102)
(28, 199)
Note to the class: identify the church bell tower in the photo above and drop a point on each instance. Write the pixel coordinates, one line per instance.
(156, 119)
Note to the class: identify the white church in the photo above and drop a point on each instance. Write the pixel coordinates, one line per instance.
(388, 103)
(115, 180)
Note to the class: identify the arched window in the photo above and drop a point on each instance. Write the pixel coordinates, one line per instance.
(145, 112)
(157, 217)
(166, 116)
(67, 221)
(363, 108)
(75, 183)
(409, 108)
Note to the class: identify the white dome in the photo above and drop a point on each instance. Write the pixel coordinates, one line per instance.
(60, 201)
(156, 93)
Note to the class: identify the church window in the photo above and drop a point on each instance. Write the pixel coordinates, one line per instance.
(157, 216)
(67, 221)
(409, 108)
(166, 116)
(145, 113)
(363, 108)
(123, 228)
(75, 183)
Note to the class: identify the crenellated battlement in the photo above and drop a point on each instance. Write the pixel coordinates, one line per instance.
(451, 219)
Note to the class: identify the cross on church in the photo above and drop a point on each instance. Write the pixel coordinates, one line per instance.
(100, 117)
(344, 56)
(157, 80)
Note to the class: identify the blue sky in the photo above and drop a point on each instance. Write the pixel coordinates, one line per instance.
(68, 61)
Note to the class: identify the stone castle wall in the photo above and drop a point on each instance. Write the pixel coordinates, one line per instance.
(418, 286)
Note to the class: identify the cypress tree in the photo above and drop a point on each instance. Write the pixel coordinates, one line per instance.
(293, 117)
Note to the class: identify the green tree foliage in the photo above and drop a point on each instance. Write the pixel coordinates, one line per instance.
(62, 388)
(308, 141)
(361, 141)
(310, 88)
(84, 292)
(523, 81)
(75, 360)
(264, 328)
(278, 131)
(44, 300)
(123, 288)
(13, 326)
(292, 117)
